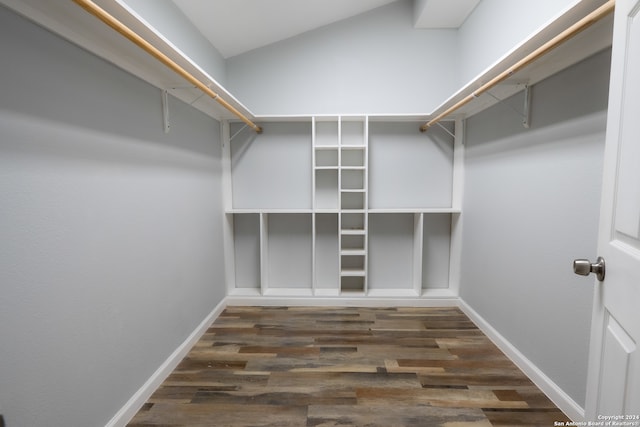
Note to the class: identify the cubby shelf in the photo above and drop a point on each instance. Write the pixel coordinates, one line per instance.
(353, 252)
(415, 210)
(269, 211)
(377, 225)
(352, 272)
(352, 232)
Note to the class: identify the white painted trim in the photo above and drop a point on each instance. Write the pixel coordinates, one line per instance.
(455, 247)
(561, 399)
(418, 251)
(227, 202)
(342, 301)
(133, 405)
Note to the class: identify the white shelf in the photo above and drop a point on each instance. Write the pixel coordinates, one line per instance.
(352, 293)
(352, 232)
(325, 292)
(390, 293)
(79, 27)
(414, 210)
(268, 211)
(353, 252)
(339, 234)
(352, 272)
(293, 292)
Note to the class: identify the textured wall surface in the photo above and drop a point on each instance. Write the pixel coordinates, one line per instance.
(531, 206)
(111, 249)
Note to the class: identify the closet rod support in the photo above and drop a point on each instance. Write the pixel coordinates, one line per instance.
(526, 115)
(453, 135)
(165, 111)
(526, 121)
(237, 133)
(127, 32)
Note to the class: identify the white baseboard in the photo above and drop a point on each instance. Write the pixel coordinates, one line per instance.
(341, 301)
(543, 382)
(129, 410)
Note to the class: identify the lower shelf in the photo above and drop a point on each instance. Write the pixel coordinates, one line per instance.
(273, 292)
(335, 296)
(352, 273)
(334, 292)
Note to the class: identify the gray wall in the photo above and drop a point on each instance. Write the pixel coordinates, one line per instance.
(111, 250)
(169, 20)
(372, 63)
(377, 63)
(531, 206)
(496, 26)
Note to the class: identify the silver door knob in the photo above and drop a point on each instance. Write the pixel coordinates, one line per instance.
(584, 267)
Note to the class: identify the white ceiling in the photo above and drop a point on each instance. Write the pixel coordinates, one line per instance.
(238, 26)
(442, 13)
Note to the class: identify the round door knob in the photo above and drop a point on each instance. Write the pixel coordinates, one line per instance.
(584, 267)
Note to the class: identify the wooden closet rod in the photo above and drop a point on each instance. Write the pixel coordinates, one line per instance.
(108, 19)
(574, 29)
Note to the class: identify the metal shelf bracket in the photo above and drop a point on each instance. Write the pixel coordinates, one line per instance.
(526, 113)
(526, 116)
(165, 111)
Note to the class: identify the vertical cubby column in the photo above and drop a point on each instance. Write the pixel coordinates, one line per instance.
(326, 203)
(353, 220)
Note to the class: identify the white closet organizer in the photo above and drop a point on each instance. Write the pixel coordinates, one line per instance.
(332, 206)
(313, 205)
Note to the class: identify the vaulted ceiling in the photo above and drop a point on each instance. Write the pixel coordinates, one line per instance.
(238, 26)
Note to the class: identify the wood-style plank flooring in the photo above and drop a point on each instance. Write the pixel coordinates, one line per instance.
(294, 366)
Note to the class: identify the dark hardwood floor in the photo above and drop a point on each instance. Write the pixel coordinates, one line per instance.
(294, 366)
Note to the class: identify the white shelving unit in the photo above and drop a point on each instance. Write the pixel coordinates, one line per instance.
(353, 220)
(260, 185)
(379, 217)
(326, 196)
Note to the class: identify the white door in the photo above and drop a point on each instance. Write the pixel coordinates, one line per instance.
(614, 361)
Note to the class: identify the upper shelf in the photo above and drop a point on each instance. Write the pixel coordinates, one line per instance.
(586, 43)
(73, 23)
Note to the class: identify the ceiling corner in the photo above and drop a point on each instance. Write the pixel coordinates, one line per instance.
(442, 13)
